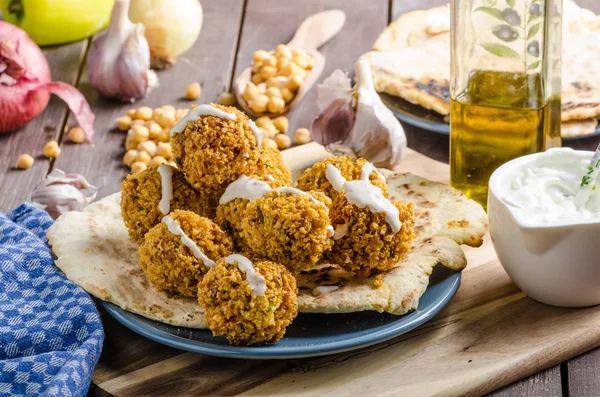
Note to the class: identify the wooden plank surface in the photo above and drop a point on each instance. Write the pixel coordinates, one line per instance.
(17, 184)
(209, 62)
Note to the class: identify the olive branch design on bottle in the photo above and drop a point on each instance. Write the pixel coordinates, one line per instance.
(513, 27)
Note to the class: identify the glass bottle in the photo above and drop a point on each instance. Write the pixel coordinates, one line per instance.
(504, 88)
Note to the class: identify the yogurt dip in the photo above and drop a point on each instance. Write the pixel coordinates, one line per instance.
(546, 243)
(543, 191)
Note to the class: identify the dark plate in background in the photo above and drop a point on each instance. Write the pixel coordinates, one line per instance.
(419, 117)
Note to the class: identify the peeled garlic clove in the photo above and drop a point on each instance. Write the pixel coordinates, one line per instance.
(119, 60)
(60, 193)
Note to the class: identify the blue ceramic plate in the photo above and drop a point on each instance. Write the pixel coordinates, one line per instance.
(420, 117)
(309, 334)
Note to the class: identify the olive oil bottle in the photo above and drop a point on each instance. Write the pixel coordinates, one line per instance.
(501, 116)
(504, 86)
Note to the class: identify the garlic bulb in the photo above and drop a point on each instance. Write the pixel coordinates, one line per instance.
(354, 121)
(118, 62)
(60, 193)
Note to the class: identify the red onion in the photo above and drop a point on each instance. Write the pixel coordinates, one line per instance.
(26, 84)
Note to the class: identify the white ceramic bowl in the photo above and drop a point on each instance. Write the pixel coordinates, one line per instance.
(557, 264)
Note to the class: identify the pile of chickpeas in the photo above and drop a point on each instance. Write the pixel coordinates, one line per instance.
(148, 134)
(276, 78)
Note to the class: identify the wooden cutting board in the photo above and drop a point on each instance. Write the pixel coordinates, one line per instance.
(489, 335)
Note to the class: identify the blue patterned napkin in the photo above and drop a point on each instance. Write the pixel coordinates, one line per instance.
(50, 331)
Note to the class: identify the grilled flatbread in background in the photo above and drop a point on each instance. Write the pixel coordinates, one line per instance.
(94, 250)
(575, 128)
(411, 60)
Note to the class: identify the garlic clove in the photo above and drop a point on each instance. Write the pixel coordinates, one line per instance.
(355, 121)
(59, 193)
(119, 60)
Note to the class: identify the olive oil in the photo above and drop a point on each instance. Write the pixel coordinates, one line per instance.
(500, 116)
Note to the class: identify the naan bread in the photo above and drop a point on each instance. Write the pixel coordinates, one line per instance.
(575, 128)
(94, 250)
(411, 60)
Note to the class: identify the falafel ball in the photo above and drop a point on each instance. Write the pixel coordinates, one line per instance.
(243, 315)
(141, 195)
(314, 177)
(369, 245)
(213, 151)
(273, 168)
(170, 264)
(289, 228)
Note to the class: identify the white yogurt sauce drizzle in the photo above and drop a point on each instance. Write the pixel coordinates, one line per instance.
(174, 228)
(269, 177)
(341, 231)
(252, 189)
(197, 112)
(246, 188)
(363, 194)
(330, 231)
(166, 183)
(324, 289)
(256, 281)
(545, 190)
(256, 131)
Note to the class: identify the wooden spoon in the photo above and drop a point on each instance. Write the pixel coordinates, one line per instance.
(315, 31)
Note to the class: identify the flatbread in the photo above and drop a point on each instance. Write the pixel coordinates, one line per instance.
(411, 60)
(94, 250)
(575, 128)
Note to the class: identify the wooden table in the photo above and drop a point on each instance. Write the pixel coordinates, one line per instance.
(232, 31)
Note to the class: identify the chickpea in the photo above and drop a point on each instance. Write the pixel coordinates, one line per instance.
(275, 105)
(148, 147)
(130, 143)
(257, 78)
(131, 113)
(282, 63)
(281, 123)
(51, 150)
(295, 82)
(168, 108)
(299, 52)
(143, 113)
(143, 157)
(138, 166)
(167, 118)
(24, 162)
(164, 149)
(302, 136)
(193, 91)
(156, 114)
(129, 157)
(270, 61)
(172, 163)
(262, 121)
(300, 62)
(262, 88)
(260, 55)
(156, 161)
(273, 92)
(180, 113)
(259, 104)
(165, 135)
(257, 67)
(269, 131)
(137, 121)
(283, 141)
(227, 99)
(283, 51)
(268, 71)
(76, 135)
(140, 133)
(250, 92)
(287, 70)
(287, 94)
(269, 143)
(124, 123)
(278, 82)
(311, 62)
(154, 129)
